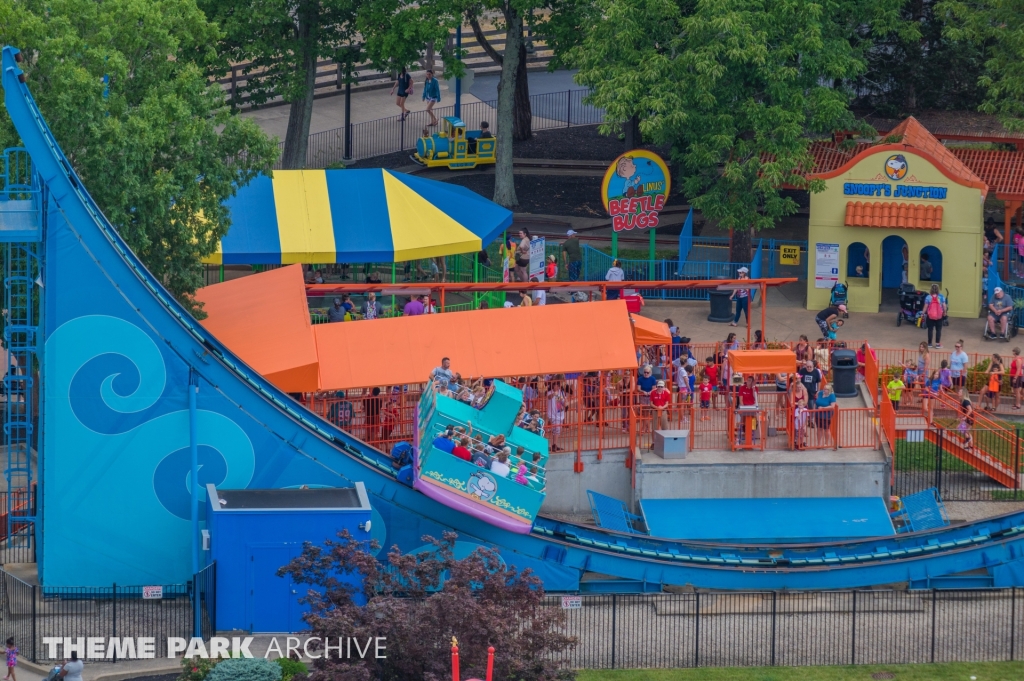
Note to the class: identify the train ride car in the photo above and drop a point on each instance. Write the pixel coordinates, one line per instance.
(455, 147)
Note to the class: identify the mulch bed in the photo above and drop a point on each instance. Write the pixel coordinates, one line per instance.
(574, 196)
(551, 194)
(583, 143)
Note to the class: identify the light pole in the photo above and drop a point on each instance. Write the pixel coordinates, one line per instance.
(458, 81)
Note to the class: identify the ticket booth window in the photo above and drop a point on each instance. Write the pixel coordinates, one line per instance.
(931, 264)
(857, 261)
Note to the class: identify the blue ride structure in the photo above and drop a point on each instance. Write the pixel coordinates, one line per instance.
(118, 356)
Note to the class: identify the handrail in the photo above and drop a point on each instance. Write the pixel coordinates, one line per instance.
(512, 457)
(420, 288)
(998, 430)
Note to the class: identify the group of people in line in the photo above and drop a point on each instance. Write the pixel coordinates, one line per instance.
(492, 454)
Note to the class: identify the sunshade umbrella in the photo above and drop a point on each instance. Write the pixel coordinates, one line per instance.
(372, 215)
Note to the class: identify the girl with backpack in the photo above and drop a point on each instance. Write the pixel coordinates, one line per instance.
(1017, 377)
(935, 308)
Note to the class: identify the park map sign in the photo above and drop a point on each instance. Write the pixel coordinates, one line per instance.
(635, 189)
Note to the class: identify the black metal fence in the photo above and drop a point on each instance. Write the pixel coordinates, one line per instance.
(34, 614)
(794, 628)
(390, 135)
(17, 537)
(920, 465)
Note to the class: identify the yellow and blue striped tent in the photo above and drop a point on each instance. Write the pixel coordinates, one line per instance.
(372, 215)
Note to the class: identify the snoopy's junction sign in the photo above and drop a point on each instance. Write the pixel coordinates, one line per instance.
(635, 189)
(896, 169)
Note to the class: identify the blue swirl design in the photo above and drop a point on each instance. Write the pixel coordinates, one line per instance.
(116, 448)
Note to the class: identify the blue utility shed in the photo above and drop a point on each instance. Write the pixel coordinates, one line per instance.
(255, 532)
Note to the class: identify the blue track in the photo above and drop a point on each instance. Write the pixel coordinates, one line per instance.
(115, 363)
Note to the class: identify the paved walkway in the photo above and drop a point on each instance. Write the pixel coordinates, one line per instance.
(374, 104)
(787, 320)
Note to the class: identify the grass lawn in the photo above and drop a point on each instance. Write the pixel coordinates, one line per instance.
(958, 671)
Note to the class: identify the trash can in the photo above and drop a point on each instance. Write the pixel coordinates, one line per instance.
(844, 373)
(721, 306)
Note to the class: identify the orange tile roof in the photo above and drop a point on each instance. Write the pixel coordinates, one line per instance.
(892, 214)
(911, 132)
(1003, 171)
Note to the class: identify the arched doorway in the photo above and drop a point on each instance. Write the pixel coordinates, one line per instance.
(893, 268)
(933, 257)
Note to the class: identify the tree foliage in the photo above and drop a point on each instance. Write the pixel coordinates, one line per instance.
(122, 85)
(418, 602)
(397, 30)
(997, 26)
(736, 87)
(919, 66)
(282, 41)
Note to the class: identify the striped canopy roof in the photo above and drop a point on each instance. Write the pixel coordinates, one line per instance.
(372, 215)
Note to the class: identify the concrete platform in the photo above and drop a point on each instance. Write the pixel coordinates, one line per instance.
(730, 475)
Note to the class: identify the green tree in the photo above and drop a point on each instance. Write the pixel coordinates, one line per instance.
(997, 26)
(737, 87)
(282, 40)
(397, 30)
(122, 85)
(919, 67)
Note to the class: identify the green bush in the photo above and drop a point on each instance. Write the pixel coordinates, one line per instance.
(290, 668)
(195, 669)
(245, 669)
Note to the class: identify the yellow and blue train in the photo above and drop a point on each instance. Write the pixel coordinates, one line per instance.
(454, 147)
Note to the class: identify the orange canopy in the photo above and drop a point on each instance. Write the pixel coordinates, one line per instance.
(762, 361)
(521, 341)
(264, 319)
(647, 331)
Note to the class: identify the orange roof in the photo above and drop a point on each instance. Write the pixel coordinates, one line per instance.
(264, 319)
(892, 214)
(1001, 170)
(522, 341)
(647, 331)
(762, 361)
(916, 135)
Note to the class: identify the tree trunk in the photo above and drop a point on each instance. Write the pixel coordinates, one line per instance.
(504, 180)
(522, 128)
(631, 131)
(296, 139)
(742, 241)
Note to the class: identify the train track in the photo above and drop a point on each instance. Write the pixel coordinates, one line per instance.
(521, 166)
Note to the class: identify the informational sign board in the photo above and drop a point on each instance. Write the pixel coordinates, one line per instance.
(572, 602)
(537, 258)
(826, 265)
(504, 269)
(152, 593)
(789, 255)
(635, 189)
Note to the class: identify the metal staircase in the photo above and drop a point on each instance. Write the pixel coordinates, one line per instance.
(21, 228)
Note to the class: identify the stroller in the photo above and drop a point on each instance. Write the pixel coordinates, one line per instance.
(911, 305)
(839, 297)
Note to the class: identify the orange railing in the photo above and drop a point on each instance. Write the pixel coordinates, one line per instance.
(871, 373)
(857, 428)
(998, 441)
(887, 417)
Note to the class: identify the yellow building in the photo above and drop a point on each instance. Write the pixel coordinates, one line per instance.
(898, 211)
